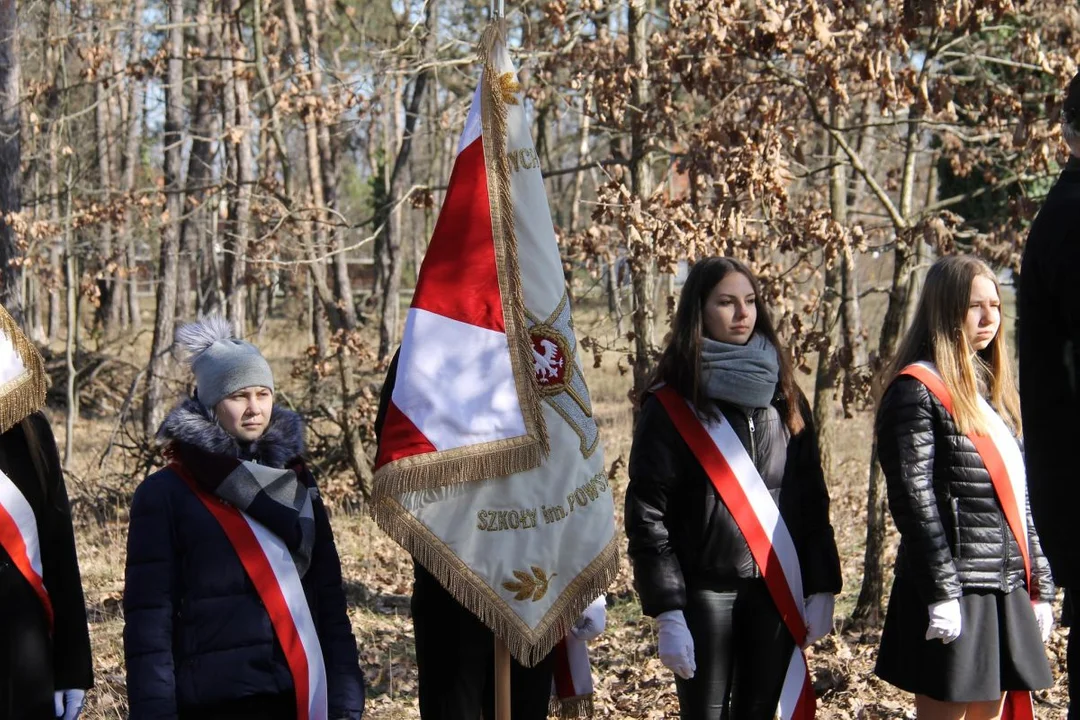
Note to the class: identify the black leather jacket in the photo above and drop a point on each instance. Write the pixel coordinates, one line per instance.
(953, 533)
(682, 536)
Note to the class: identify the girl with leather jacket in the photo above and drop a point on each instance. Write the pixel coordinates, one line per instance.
(719, 629)
(970, 604)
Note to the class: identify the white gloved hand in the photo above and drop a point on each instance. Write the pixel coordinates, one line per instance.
(675, 644)
(1044, 616)
(68, 703)
(945, 622)
(819, 616)
(592, 621)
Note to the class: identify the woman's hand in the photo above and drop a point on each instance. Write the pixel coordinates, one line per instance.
(675, 644)
(592, 621)
(1044, 616)
(945, 621)
(819, 617)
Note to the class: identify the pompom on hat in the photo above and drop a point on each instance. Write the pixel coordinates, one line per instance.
(221, 363)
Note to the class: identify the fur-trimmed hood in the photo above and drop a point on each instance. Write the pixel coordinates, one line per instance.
(190, 422)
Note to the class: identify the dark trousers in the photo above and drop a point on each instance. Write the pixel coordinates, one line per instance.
(1072, 654)
(252, 707)
(455, 657)
(742, 649)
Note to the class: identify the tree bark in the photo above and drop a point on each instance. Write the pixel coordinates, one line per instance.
(129, 161)
(165, 314)
(391, 299)
(200, 170)
(871, 594)
(239, 135)
(11, 274)
(641, 245)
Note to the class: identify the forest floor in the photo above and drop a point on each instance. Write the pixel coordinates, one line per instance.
(630, 680)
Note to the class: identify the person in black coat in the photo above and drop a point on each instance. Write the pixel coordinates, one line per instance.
(44, 671)
(455, 650)
(198, 640)
(1049, 315)
(720, 631)
(961, 628)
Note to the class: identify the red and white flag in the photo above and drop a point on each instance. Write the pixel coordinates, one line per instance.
(490, 470)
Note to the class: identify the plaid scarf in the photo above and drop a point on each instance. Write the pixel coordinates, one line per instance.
(278, 498)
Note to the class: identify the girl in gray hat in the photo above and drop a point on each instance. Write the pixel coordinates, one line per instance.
(233, 598)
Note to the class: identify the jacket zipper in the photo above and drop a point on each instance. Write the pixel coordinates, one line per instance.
(753, 444)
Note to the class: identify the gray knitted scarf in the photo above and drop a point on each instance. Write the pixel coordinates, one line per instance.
(744, 375)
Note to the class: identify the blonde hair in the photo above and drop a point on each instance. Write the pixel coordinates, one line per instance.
(937, 334)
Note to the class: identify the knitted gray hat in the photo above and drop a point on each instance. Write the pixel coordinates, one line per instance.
(221, 363)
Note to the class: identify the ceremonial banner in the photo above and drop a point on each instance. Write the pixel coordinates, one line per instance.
(490, 470)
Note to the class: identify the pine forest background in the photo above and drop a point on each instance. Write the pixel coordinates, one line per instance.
(283, 162)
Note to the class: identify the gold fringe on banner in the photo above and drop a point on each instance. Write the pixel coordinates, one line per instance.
(24, 394)
(528, 646)
(570, 708)
(512, 455)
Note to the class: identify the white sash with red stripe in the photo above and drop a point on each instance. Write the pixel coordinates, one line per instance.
(19, 537)
(270, 566)
(743, 492)
(1001, 455)
(571, 679)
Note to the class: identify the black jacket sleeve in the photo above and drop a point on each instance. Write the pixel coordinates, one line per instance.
(818, 556)
(345, 694)
(386, 393)
(149, 602)
(73, 665)
(654, 475)
(1042, 584)
(905, 445)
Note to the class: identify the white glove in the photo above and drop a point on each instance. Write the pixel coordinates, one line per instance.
(1044, 616)
(819, 617)
(675, 644)
(68, 703)
(592, 621)
(945, 622)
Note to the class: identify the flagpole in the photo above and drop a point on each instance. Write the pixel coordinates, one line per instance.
(502, 680)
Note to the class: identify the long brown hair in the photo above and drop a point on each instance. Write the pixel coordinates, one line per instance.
(937, 334)
(680, 363)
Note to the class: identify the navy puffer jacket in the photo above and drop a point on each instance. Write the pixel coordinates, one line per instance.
(196, 633)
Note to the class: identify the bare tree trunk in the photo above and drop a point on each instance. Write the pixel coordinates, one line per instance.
(130, 162)
(200, 171)
(240, 135)
(642, 271)
(391, 299)
(328, 167)
(108, 312)
(871, 594)
(165, 314)
(825, 379)
(10, 191)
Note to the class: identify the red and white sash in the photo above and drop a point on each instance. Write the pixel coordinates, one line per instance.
(19, 537)
(571, 679)
(271, 568)
(1003, 460)
(743, 492)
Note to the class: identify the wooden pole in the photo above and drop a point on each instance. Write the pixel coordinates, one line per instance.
(502, 680)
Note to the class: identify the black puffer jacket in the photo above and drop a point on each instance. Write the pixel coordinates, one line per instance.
(954, 537)
(681, 534)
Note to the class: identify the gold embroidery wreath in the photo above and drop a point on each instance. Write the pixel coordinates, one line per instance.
(508, 88)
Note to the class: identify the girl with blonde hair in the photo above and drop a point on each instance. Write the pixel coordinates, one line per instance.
(970, 603)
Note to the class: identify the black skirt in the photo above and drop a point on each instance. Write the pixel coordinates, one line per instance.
(999, 648)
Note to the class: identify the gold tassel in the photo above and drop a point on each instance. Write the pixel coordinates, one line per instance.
(24, 394)
(580, 706)
(528, 646)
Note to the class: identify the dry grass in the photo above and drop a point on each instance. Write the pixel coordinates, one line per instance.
(631, 682)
